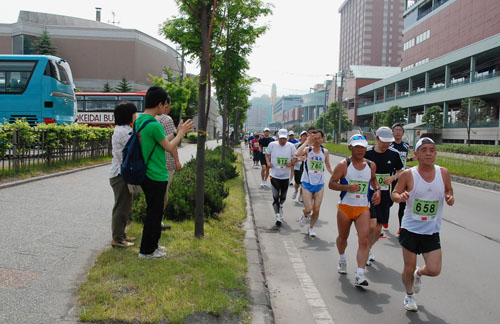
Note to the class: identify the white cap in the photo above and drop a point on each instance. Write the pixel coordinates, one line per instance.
(385, 134)
(422, 141)
(291, 133)
(282, 133)
(358, 140)
(303, 132)
(267, 129)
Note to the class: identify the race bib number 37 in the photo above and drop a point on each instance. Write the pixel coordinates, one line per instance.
(281, 162)
(425, 207)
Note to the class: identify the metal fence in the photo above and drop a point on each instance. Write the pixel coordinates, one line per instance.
(47, 149)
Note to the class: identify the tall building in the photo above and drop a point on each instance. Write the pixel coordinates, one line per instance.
(370, 32)
(273, 100)
(258, 114)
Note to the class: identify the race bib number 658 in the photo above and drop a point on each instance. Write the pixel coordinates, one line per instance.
(425, 207)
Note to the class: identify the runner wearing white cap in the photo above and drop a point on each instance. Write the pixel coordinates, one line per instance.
(280, 156)
(425, 188)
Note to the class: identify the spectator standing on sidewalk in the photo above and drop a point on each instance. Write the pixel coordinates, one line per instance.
(153, 139)
(173, 163)
(125, 115)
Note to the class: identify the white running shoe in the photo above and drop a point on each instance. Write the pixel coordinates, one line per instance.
(417, 282)
(311, 232)
(157, 254)
(294, 195)
(371, 258)
(262, 185)
(301, 199)
(265, 184)
(342, 268)
(302, 220)
(278, 220)
(360, 280)
(410, 304)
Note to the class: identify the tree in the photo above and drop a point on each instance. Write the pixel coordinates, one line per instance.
(107, 87)
(470, 111)
(332, 119)
(434, 117)
(395, 114)
(378, 119)
(123, 86)
(45, 46)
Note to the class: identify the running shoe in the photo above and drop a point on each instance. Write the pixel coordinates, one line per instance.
(265, 185)
(157, 254)
(302, 220)
(262, 185)
(301, 199)
(278, 220)
(342, 268)
(311, 232)
(417, 282)
(360, 280)
(385, 225)
(410, 304)
(291, 183)
(294, 195)
(371, 258)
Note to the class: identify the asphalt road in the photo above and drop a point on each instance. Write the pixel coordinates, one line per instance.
(305, 287)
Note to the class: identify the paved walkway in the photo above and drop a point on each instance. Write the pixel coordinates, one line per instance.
(52, 231)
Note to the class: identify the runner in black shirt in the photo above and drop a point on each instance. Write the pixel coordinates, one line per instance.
(389, 166)
(263, 143)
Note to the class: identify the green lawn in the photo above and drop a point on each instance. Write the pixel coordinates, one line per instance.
(199, 275)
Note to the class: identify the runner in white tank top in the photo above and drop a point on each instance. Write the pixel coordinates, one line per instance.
(313, 180)
(352, 177)
(425, 188)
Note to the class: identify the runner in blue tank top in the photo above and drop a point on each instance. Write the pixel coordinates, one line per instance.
(425, 188)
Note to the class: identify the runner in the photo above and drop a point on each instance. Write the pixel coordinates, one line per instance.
(280, 156)
(255, 150)
(425, 188)
(389, 166)
(293, 140)
(352, 178)
(263, 143)
(299, 167)
(402, 147)
(313, 179)
(250, 139)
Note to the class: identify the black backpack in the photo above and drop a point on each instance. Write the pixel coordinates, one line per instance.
(133, 168)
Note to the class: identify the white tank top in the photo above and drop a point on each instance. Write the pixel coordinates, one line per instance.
(362, 177)
(424, 208)
(314, 167)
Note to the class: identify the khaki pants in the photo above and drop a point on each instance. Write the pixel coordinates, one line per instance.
(170, 180)
(122, 208)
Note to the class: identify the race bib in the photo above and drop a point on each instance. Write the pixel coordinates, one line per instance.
(425, 210)
(403, 158)
(281, 162)
(380, 180)
(316, 166)
(256, 145)
(264, 149)
(363, 187)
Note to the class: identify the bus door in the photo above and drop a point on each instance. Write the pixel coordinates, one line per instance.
(58, 99)
(19, 87)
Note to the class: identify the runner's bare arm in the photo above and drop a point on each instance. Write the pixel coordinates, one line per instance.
(340, 172)
(303, 149)
(377, 196)
(400, 193)
(448, 189)
(327, 162)
(268, 161)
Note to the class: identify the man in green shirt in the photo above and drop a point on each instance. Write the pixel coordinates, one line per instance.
(153, 139)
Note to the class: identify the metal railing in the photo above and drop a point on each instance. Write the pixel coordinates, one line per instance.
(47, 149)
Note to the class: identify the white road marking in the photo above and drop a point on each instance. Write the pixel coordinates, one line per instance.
(313, 297)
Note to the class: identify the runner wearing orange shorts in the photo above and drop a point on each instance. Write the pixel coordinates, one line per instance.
(352, 177)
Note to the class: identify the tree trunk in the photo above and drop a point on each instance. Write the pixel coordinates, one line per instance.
(202, 134)
(236, 126)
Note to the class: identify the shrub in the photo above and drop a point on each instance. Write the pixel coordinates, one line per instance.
(192, 138)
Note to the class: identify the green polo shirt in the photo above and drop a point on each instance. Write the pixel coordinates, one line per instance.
(151, 134)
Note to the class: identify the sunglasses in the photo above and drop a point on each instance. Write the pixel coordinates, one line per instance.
(360, 137)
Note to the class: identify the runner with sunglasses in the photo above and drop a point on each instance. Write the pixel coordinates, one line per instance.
(425, 188)
(389, 167)
(352, 177)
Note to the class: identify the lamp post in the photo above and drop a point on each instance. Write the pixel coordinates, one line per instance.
(341, 88)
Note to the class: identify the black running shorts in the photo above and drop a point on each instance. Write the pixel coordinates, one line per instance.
(381, 212)
(419, 243)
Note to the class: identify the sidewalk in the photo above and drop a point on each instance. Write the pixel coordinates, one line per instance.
(52, 231)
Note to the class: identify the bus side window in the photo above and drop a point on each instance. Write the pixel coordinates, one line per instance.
(51, 70)
(64, 78)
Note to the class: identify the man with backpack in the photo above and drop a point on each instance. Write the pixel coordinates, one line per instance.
(154, 143)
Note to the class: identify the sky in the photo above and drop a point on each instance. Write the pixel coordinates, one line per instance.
(299, 49)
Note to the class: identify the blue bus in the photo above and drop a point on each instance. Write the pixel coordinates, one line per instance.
(38, 88)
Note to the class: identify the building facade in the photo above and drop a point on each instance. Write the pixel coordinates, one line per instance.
(287, 111)
(370, 32)
(258, 114)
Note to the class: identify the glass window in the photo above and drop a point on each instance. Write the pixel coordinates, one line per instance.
(63, 75)
(15, 75)
(51, 70)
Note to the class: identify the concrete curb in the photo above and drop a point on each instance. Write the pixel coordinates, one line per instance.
(463, 180)
(260, 304)
(52, 175)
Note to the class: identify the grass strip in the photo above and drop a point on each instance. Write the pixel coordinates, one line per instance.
(199, 275)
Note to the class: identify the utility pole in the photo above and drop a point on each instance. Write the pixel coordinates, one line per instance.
(182, 66)
(341, 88)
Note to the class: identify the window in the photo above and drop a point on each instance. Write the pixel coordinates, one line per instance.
(15, 75)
